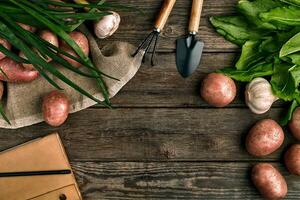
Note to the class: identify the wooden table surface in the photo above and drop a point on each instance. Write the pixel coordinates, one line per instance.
(162, 141)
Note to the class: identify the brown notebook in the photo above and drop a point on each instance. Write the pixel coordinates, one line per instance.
(43, 154)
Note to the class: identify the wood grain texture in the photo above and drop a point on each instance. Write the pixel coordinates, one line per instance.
(184, 180)
(153, 135)
(162, 141)
(135, 26)
(162, 86)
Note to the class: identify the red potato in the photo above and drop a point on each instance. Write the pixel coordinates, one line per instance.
(269, 182)
(82, 42)
(265, 137)
(7, 45)
(292, 159)
(49, 37)
(294, 124)
(27, 27)
(69, 60)
(55, 108)
(29, 66)
(15, 73)
(218, 90)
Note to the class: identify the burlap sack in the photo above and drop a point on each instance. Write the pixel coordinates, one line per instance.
(23, 102)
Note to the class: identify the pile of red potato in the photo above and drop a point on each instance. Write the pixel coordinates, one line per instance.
(264, 138)
(56, 104)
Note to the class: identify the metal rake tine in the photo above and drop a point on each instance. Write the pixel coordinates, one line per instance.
(154, 49)
(142, 44)
(148, 47)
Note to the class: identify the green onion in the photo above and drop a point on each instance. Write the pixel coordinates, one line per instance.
(38, 13)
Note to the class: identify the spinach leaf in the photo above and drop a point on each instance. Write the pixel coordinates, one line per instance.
(293, 58)
(275, 41)
(285, 81)
(292, 2)
(269, 33)
(284, 121)
(260, 70)
(252, 9)
(235, 29)
(269, 45)
(250, 55)
(289, 15)
(291, 46)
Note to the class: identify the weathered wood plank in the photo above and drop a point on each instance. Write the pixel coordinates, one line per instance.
(162, 86)
(130, 180)
(153, 134)
(135, 26)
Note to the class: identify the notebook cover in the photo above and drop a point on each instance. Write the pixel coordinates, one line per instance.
(42, 154)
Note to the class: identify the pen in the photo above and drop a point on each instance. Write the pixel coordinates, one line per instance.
(35, 173)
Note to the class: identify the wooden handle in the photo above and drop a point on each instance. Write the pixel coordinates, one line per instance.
(195, 16)
(164, 14)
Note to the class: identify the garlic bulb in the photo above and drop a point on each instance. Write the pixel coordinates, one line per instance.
(259, 95)
(107, 25)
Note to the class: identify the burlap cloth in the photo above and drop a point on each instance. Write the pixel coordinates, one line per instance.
(23, 101)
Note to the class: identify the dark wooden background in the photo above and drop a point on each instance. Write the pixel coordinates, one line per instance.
(162, 141)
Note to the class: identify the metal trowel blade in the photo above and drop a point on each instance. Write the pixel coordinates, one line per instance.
(188, 55)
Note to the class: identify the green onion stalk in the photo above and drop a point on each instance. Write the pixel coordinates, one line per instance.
(61, 18)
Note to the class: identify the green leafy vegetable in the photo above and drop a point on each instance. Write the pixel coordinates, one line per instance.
(284, 121)
(250, 54)
(269, 33)
(291, 46)
(252, 9)
(293, 58)
(275, 41)
(284, 81)
(292, 2)
(259, 70)
(289, 16)
(235, 29)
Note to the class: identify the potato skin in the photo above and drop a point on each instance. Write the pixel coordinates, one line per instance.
(294, 124)
(15, 73)
(55, 108)
(269, 182)
(82, 42)
(265, 137)
(218, 90)
(69, 60)
(7, 45)
(292, 159)
(49, 37)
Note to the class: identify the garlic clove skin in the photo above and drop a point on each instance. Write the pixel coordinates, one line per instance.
(107, 25)
(259, 96)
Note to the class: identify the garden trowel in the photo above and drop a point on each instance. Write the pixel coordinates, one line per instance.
(189, 49)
